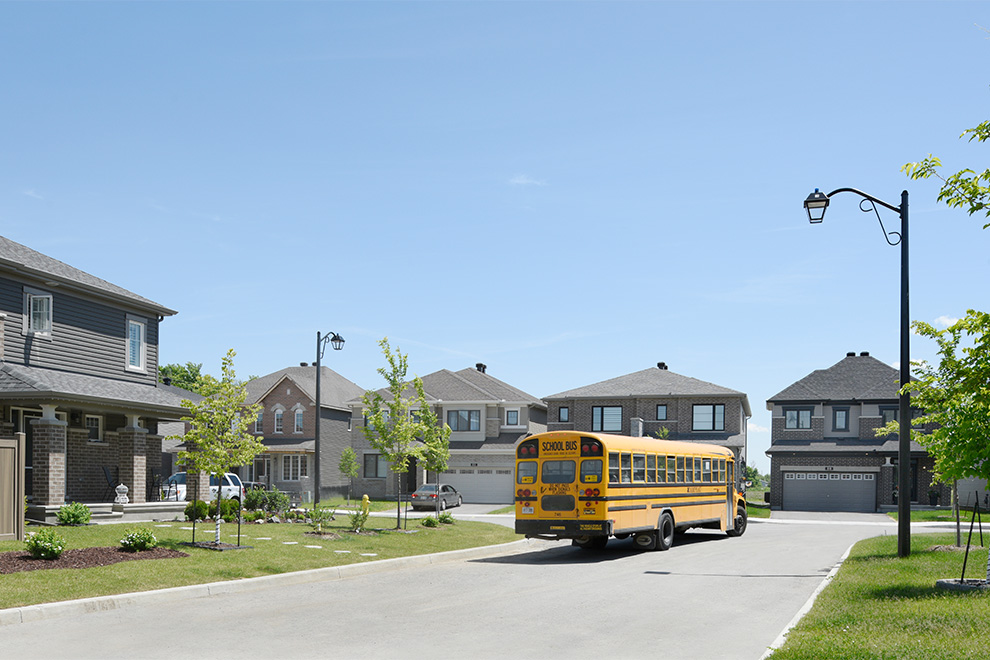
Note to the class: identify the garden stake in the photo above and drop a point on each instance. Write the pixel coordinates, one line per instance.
(976, 508)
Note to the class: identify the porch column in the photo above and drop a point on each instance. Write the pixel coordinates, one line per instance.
(48, 457)
(132, 446)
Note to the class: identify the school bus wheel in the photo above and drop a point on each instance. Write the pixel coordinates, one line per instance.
(665, 531)
(739, 524)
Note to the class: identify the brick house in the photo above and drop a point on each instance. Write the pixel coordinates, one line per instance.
(287, 425)
(824, 451)
(487, 417)
(641, 403)
(78, 375)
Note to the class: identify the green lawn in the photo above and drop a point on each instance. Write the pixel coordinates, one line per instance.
(943, 515)
(879, 606)
(267, 556)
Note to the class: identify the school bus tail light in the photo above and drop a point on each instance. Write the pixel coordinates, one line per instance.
(591, 447)
(592, 492)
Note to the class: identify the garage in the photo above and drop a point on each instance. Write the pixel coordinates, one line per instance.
(481, 484)
(806, 490)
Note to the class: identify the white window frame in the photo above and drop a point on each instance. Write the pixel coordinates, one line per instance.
(518, 414)
(294, 467)
(98, 426)
(279, 420)
(29, 327)
(259, 425)
(142, 325)
(297, 421)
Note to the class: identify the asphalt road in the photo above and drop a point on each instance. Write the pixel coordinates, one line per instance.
(710, 596)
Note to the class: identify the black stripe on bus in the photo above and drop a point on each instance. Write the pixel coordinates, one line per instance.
(633, 507)
(646, 496)
(698, 502)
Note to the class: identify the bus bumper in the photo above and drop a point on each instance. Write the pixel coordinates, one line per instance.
(563, 529)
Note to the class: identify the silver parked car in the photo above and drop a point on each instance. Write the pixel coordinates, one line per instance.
(425, 497)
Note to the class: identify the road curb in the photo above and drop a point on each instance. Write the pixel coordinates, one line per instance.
(28, 613)
(782, 637)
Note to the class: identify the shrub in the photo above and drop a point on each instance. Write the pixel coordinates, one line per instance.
(138, 540)
(228, 510)
(46, 544)
(446, 518)
(429, 521)
(358, 518)
(319, 515)
(255, 499)
(276, 501)
(196, 510)
(75, 513)
(253, 516)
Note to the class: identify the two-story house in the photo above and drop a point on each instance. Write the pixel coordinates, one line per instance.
(824, 451)
(486, 416)
(78, 376)
(643, 402)
(287, 426)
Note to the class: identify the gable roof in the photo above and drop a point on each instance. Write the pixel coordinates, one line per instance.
(23, 259)
(854, 378)
(467, 385)
(653, 382)
(335, 390)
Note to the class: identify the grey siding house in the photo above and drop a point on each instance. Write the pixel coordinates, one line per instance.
(643, 402)
(824, 452)
(78, 376)
(287, 425)
(487, 417)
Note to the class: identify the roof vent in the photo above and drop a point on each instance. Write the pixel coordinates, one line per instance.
(662, 366)
(481, 367)
(864, 354)
(303, 364)
(166, 380)
(851, 354)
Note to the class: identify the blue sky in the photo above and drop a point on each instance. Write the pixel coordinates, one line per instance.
(565, 191)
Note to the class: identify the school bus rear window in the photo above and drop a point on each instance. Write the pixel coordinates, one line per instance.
(558, 472)
(526, 472)
(591, 471)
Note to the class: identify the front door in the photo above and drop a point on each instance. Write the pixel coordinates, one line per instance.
(262, 470)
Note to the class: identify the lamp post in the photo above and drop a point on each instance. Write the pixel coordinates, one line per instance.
(815, 204)
(321, 344)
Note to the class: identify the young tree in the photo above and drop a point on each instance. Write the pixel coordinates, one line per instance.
(954, 397)
(964, 189)
(349, 467)
(390, 428)
(188, 376)
(218, 434)
(435, 435)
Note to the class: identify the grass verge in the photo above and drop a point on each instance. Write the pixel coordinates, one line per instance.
(879, 606)
(276, 548)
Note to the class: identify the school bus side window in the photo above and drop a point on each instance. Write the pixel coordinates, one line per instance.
(639, 467)
(651, 468)
(613, 467)
(526, 474)
(626, 474)
(706, 469)
(671, 469)
(697, 469)
(591, 471)
(721, 470)
(680, 469)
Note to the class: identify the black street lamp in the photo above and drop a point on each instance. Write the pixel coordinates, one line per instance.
(815, 204)
(321, 344)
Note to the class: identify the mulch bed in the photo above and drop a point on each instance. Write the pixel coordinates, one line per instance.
(20, 560)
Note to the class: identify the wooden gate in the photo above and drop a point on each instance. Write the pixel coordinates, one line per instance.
(12, 488)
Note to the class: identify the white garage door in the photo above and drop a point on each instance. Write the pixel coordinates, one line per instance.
(481, 485)
(829, 491)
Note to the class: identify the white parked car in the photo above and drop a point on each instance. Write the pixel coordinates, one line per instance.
(174, 488)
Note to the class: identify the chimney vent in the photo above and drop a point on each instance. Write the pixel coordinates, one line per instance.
(851, 354)
(864, 354)
(481, 367)
(662, 366)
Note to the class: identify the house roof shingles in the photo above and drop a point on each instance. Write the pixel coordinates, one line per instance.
(466, 385)
(335, 390)
(854, 378)
(24, 259)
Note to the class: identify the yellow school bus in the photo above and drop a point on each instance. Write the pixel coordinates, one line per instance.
(590, 486)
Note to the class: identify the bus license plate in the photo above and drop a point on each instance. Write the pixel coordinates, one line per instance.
(528, 509)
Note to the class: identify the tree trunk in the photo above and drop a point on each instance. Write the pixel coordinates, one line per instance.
(218, 517)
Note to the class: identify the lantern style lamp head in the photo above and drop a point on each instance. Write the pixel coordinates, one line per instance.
(337, 342)
(816, 203)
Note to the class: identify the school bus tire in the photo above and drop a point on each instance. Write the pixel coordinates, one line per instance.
(665, 531)
(739, 523)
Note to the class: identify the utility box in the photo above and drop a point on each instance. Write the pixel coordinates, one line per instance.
(12, 462)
